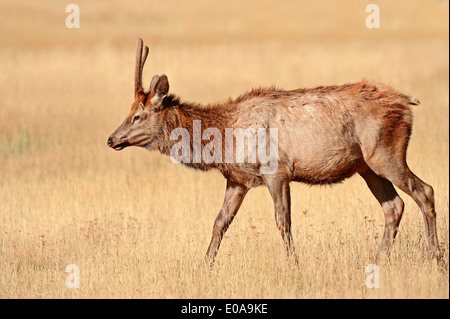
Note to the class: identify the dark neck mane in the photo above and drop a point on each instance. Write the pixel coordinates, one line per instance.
(179, 114)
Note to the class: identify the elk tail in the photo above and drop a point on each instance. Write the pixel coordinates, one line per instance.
(412, 100)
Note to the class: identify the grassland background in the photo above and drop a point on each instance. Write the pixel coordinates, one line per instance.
(138, 225)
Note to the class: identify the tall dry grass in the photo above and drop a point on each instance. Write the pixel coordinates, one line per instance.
(138, 225)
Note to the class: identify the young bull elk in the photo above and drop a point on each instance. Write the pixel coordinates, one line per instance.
(325, 135)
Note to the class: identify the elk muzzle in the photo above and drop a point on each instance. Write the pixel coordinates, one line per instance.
(117, 144)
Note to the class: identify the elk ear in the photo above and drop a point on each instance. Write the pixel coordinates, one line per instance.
(153, 83)
(160, 89)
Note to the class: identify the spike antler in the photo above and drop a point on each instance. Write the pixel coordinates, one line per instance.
(140, 61)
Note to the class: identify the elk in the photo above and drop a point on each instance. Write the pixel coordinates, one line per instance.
(325, 135)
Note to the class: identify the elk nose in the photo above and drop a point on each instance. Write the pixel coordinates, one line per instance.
(109, 142)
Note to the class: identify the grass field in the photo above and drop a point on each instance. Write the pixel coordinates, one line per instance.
(137, 225)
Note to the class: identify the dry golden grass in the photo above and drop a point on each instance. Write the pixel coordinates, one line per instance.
(138, 225)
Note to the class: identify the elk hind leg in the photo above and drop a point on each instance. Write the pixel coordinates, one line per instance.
(392, 206)
(397, 171)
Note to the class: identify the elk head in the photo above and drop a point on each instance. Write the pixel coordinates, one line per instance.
(143, 125)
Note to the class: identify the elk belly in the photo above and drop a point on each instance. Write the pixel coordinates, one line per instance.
(325, 162)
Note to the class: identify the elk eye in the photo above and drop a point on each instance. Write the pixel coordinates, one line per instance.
(136, 118)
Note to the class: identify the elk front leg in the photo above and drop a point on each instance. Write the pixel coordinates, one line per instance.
(234, 196)
(280, 191)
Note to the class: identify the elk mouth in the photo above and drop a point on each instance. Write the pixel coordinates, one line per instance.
(117, 147)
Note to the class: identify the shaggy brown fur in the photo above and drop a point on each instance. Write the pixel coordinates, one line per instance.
(325, 135)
